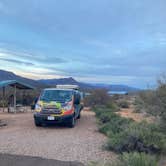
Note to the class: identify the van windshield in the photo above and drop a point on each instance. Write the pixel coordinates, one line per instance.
(56, 95)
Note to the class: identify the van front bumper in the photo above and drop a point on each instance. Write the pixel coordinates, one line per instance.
(43, 118)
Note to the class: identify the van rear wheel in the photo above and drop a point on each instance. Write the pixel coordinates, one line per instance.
(72, 122)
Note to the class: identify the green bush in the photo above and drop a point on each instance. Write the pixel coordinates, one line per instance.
(137, 159)
(153, 101)
(130, 159)
(140, 137)
(126, 135)
(97, 97)
(123, 104)
(150, 134)
(163, 123)
(117, 141)
(114, 107)
(100, 163)
(115, 125)
(110, 121)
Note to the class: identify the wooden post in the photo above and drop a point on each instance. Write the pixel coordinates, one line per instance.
(15, 98)
(3, 99)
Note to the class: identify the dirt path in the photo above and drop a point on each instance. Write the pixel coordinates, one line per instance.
(82, 143)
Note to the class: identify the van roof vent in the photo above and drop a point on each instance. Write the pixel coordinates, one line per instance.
(75, 87)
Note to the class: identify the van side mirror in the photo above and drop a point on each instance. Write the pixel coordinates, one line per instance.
(77, 98)
(34, 103)
(36, 99)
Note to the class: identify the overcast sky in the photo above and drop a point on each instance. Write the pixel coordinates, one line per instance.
(101, 41)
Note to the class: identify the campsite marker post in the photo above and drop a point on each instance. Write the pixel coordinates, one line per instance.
(3, 99)
(14, 98)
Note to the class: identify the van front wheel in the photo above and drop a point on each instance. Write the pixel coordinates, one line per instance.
(72, 122)
(37, 123)
(79, 116)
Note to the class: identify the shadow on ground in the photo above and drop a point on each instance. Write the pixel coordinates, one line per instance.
(17, 160)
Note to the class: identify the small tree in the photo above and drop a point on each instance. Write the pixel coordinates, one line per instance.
(97, 97)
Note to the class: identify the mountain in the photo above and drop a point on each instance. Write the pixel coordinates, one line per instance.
(65, 81)
(70, 80)
(116, 87)
(6, 75)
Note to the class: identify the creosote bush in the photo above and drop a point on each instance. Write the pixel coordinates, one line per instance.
(123, 104)
(97, 97)
(137, 159)
(126, 135)
(154, 102)
(130, 159)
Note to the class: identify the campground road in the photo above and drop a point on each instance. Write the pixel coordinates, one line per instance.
(82, 143)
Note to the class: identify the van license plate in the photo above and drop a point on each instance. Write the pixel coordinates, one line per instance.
(50, 118)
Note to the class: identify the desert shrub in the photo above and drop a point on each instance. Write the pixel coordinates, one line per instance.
(139, 105)
(149, 134)
(137, 159)
(97, 97)
(130, 159)
(116, 124)
(153, 101)
(116, 142)
(125, 135)
(104, 112)
(141, 137)
(3, 103)
(163, 123)
(146, 101)
(123, 104)
(113, 106)
(101, 163)
(110, 121)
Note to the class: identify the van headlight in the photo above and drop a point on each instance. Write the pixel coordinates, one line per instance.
(68, 107)
(38, 108)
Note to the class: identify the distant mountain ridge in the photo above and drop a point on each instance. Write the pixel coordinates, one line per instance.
(5, 75)
(65, 81)
(70, 80)
(116, 87)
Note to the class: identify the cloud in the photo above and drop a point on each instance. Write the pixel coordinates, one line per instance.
(3, 8)
(98, 43)
(35, 57)
(17, 61)
(102, 41)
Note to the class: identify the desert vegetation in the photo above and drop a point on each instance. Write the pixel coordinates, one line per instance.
(130, 159)
(136, 143)
(153, 102)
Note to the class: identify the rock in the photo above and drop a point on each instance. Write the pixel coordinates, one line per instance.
(2, 123)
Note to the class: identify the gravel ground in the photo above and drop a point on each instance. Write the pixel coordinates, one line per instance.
(82, 143)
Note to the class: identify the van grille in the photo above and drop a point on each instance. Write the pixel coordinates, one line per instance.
(51, 111)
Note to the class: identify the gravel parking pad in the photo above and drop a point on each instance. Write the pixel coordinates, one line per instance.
(82, 143)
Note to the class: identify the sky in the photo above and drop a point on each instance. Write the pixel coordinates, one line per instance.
(96, 41)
